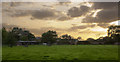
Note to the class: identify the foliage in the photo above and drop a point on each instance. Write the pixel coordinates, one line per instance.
(114, 33)
(4, 35)
(79, 38)
(16, 34)
(23, 35)
(11, 38)
(66, 36)
(8, 37)
(90, 39)
(49, 37)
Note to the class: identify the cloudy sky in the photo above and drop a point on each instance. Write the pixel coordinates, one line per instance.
(78, 19)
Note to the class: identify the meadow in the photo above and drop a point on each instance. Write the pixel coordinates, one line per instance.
(61, 52)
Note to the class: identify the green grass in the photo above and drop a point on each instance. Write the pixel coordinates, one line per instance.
(61, 52)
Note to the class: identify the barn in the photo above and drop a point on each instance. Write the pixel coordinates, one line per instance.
(27, 43)
(83, 42)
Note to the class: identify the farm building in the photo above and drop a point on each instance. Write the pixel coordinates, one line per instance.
(27, 43)
(83, 42)
(97, 42)
(67, 41)
(73, 41)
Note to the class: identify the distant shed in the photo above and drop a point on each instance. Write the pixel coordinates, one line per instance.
(83, 42)
(27, 42)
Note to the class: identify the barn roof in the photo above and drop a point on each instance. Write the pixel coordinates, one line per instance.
(27, 41)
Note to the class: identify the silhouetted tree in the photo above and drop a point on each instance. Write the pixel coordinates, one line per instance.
(66, 36)
(31, 37)
(23, 35)
(11, 39)
(16, 34)
(90, 39)
(49, 37)
(114, 33)
(108, 40)
(79, 38)
(4, 36)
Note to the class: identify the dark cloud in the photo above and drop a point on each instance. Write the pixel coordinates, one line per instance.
(10, 9)
(64, 17)
(10, 4)
(78, 11)
(20, 13)
(74, 28)
(109, 13)
(14, 4)
(43, 14)
(50, 15)
(103, 25)
(64, 2)
(104, 16)
(37, 14)
(105, 5)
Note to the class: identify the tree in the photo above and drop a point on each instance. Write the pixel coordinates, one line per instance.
(11, 39)
(31, 37)
(23, 35)
(4, 36)
(108, 40)
(49, 37)
(66, 36)
(8, 38)
(79, 38)
(16, 34)
(24, 38)
(114, 33)
(68, 39)
(90, 39)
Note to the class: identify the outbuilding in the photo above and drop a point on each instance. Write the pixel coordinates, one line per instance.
(27, 43)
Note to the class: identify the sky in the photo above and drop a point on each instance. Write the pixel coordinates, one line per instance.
(78, 19)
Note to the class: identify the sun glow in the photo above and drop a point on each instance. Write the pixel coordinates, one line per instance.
(114, 23)
(99, 29)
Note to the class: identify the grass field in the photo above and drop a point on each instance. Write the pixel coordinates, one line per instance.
(61, 52)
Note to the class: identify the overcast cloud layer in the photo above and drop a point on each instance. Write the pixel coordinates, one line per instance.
(64, 17)
(108, 13)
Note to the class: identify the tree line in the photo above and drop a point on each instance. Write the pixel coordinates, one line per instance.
(50, 37)
(14, 35)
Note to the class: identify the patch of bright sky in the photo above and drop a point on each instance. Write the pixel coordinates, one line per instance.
(114, 23)
(59, 24)
(88, 4)
(99, 29)
(95, 12)
(118, 22)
